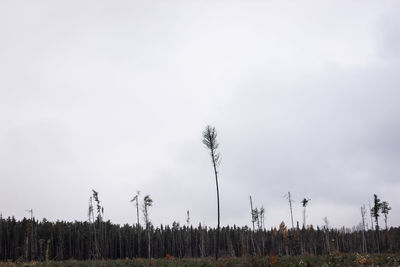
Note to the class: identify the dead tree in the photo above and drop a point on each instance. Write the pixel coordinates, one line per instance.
(289, 198)
(136, 199)
(33, 242)
(188, 235)
(254, 217)
(252, 213)
(370, 215)
(210, 141)
(326, 229)
(364, 243)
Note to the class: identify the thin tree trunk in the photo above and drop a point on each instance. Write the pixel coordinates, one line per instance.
(370, 215)
(148, 247)
(216, 183)
(120, 244)
(364, 243)
(386, 222)
(291, 212)
(252, 221)
(138, 225)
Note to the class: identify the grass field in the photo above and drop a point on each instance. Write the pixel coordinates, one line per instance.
(334, 259)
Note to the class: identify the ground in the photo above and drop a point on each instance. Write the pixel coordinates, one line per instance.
(333, 259)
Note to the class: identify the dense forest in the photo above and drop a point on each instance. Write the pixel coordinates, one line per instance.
(30, 239)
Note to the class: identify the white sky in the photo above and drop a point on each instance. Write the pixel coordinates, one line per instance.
(114, 96)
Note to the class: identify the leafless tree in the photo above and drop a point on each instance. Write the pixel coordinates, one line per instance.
(254, 217)
(326, 228)
(370, 215)
(253, 213)
(364, 243)
(136, 199)
(210, 141)
(289, 198)
(33, 247)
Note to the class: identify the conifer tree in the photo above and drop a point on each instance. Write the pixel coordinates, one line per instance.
(375, 210)
(304, 202)
(210, 141)
(385, 211)
(147, 203)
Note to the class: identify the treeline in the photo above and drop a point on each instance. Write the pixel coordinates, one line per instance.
(30, 239)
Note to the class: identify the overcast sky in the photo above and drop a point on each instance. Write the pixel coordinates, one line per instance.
(114, 96)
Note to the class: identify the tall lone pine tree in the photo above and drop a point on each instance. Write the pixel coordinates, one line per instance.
(210, 141)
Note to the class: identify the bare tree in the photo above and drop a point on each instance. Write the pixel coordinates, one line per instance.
(364, 243)
(188, 236)
(253, 213)
(32, 256)
(147, 202)
(210, 141)
(304, 202)
(385, 211)
(326, 230)
(289, 198)
(136, 199)
(254, 217)
(370, 215)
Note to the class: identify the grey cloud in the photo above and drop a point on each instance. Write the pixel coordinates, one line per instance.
(114, 96)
